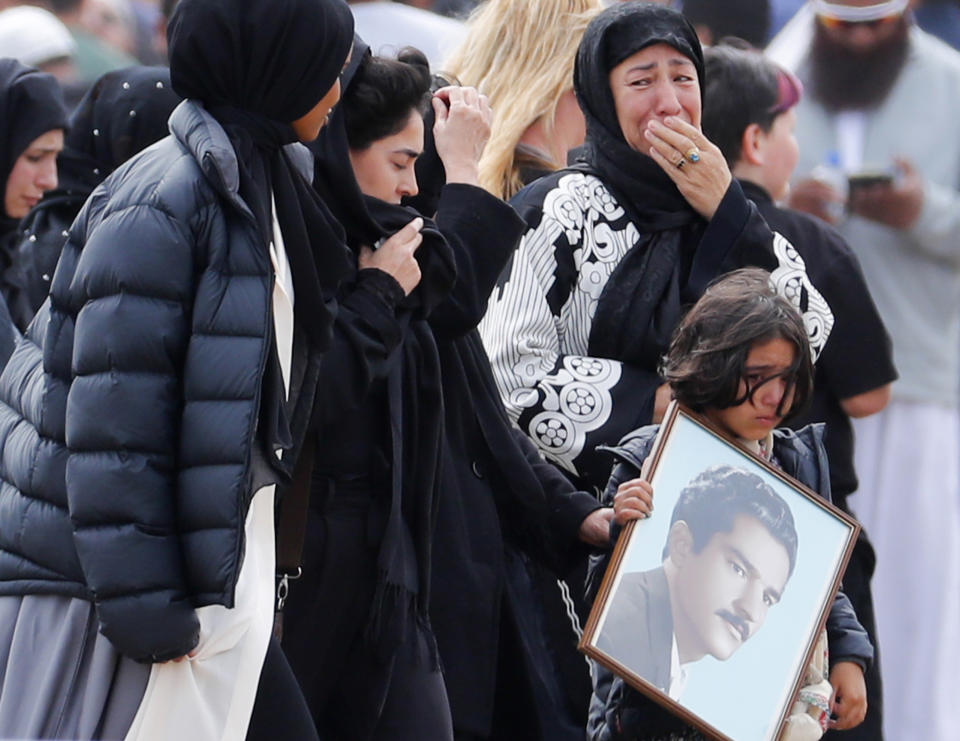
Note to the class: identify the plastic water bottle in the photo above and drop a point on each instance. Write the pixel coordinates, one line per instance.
(830, 172)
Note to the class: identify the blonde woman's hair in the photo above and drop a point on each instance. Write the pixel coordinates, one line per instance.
(520, 53)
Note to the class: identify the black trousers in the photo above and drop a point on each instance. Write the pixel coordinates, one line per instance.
(279, 711)
(351, 693)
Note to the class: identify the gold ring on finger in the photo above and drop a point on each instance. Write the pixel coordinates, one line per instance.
(681, 163)
(692, 154)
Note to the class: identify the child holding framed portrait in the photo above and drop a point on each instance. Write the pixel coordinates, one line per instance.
(744, 537)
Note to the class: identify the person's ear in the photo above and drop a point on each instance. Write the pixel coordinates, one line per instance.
(752, 143)
(679, 542)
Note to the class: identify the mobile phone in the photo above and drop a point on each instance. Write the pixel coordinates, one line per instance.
(869, 178)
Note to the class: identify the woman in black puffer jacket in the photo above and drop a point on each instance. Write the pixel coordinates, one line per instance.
(137, 518)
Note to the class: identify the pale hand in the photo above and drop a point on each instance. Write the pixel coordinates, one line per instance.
(633, 501)
(816, 198)
(461, 131)
(396, 256)
(704, 182)
(849, 702)
(897, 205)
(595, 528)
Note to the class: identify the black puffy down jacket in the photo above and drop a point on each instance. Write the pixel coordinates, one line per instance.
(154, 341)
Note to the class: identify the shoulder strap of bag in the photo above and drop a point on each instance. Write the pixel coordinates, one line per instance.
(292, 524)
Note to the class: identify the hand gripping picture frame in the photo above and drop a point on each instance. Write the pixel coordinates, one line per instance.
(713, 605)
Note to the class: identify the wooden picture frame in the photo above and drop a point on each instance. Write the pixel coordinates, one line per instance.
(724, 584)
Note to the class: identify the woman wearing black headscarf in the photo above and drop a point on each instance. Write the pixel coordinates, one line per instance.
(124, 112)
(33, 118)
(620, 243)
(193, 296)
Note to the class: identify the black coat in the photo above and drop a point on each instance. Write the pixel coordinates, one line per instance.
(35, 252)
(500, 498)
(129, 444)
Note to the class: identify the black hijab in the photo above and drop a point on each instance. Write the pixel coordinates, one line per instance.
(639, 182)
(123, 113)
(31, 104)
(257, 66)
(367, 219)
(644, 298)
(333, 177)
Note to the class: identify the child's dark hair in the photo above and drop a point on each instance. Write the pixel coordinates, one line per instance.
(742, 87)
(708, 352)
(382, 95)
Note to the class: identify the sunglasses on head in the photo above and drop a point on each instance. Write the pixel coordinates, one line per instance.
(874, 23)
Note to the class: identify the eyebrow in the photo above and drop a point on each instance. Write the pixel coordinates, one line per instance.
(753, 571)
(674, 62)
(759, 368)
(412, 153)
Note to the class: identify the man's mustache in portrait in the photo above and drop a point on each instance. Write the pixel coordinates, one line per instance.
(738, 623)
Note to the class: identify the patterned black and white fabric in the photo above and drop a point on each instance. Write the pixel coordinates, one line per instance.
(540, 321)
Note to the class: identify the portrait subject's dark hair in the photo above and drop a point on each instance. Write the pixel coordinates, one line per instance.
(382, 95)
(705, 362)
(743, 87)
(710, 503)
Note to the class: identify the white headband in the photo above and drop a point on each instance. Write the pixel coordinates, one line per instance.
(856, 14)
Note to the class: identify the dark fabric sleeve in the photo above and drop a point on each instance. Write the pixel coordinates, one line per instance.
(45, 231)
(630, 455)
(567, 508)
(129, 310)
(846, 638)
(483, 232)
(736, 219)
(603, 721)
(755, 244)
(8, 335)
(366, 331)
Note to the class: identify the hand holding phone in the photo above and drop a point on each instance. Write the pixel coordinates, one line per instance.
(895, 200)
(869, 179)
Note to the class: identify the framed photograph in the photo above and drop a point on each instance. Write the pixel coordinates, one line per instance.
(712, 606)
